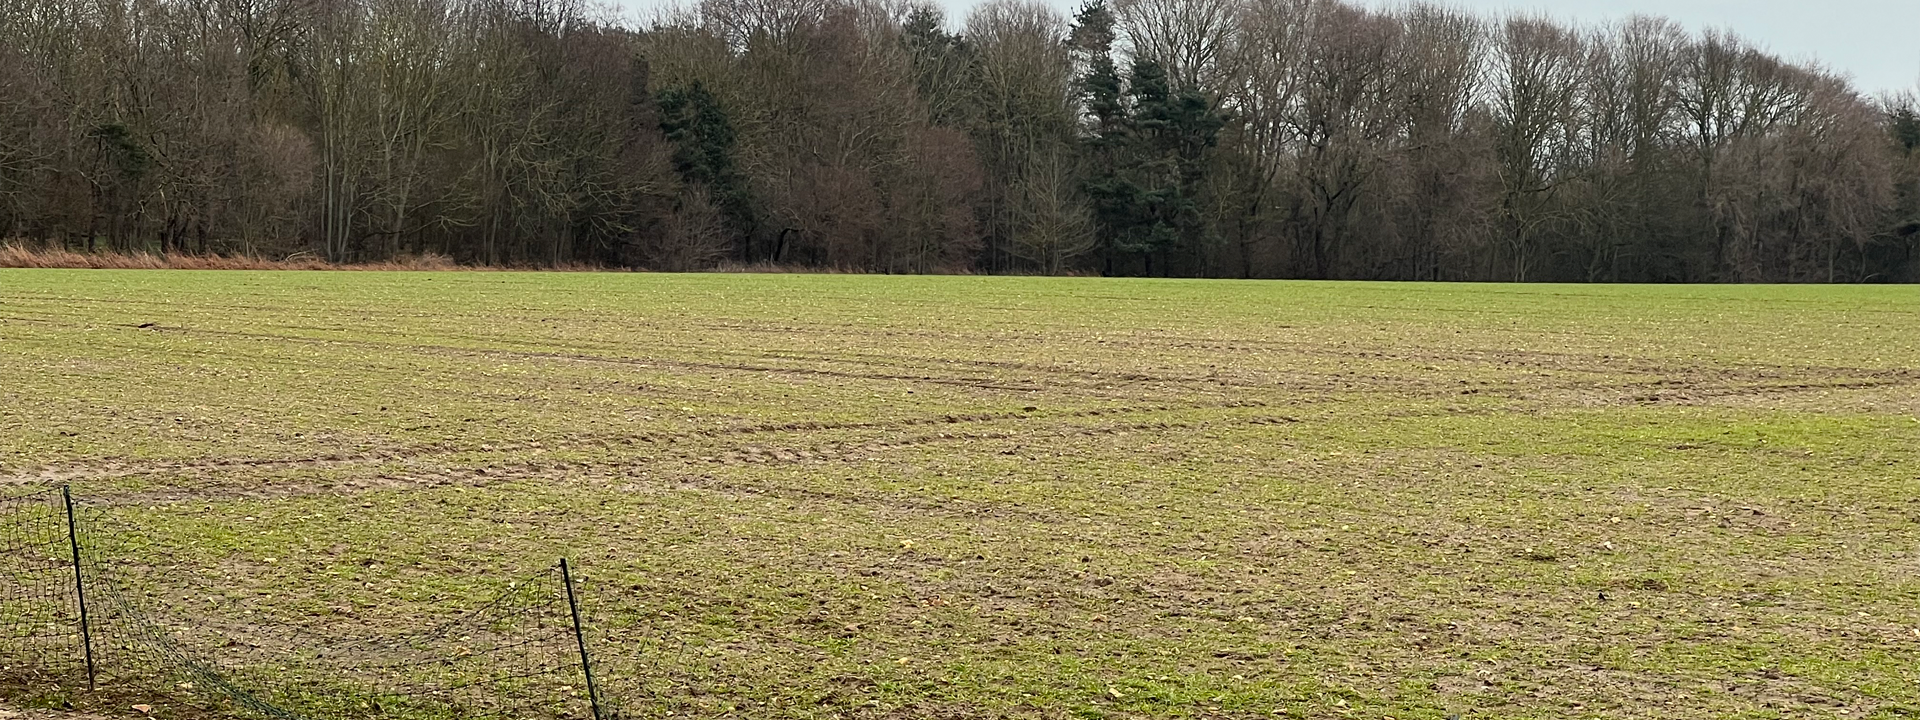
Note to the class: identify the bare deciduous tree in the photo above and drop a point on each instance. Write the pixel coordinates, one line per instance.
(1256, 138)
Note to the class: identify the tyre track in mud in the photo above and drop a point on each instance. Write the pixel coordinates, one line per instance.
(1097, 383)
(969, 382)
(115, 469)
(1675, 393)
(1560, 361)
(1684, 395)
(1090, 382)
(1655, 393)
(1601, 363)
(682, 473)
(1680, 386)
(1049, 377)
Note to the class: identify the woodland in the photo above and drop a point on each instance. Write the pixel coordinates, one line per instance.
(1242, 139)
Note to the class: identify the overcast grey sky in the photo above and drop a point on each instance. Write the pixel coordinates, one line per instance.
(1875, 41)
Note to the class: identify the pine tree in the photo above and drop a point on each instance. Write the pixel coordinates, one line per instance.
(1147, 143)
(703, 138)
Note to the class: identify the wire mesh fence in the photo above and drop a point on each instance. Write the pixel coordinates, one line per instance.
(73, 614)
(40, 637)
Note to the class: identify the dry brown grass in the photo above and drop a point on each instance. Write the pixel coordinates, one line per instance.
(26, 254)
(23, 255)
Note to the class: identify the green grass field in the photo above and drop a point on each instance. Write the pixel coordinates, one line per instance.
(886, 497)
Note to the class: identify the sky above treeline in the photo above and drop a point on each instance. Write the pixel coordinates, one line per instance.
(1876, 42)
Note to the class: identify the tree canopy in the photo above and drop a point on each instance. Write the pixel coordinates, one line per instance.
(1250, 138)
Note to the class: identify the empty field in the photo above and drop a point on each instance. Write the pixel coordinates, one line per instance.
(885, 497)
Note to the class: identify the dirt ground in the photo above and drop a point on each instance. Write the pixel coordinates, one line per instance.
(878, 498)
(9, 713)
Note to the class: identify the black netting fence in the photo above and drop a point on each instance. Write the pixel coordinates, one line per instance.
(75, 612)
(40, 639)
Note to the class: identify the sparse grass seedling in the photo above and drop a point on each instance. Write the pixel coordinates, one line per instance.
(815, 497)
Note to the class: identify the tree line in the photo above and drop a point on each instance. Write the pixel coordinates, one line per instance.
(1248, 138)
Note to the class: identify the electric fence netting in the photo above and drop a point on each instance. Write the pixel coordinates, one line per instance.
(78, 610)
(40, 638)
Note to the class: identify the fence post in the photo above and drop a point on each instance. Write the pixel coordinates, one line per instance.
(580, 638)
(79, 584)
